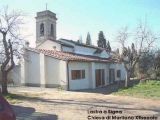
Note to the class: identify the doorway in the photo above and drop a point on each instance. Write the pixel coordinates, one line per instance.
(111, 76)
(100, 77)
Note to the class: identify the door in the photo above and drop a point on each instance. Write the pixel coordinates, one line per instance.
(111, 75)
(103, 78)
(100, 79)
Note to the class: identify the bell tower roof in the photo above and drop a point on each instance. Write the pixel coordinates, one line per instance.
(45, 14)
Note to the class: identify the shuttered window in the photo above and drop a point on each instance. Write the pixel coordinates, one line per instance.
(78, 74)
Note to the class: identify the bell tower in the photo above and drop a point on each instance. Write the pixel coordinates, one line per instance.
(45, 26)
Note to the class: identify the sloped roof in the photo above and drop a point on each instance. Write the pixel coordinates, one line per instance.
(59, 42)
(82, 44)
(70, 56)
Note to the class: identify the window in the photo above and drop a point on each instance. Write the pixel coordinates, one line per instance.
(78, 74)
(118, 73)
(42, 29)
(52, 30)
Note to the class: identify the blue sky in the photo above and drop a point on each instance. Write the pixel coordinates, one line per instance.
(77, 17)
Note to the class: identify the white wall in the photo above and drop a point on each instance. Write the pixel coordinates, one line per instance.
(56, 73)
(80, 83)
(117, 66)
(49, 45)
(32, 72)
(90, 67)
(15, 75)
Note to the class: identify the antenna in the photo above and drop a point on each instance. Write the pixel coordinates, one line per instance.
(46, 6)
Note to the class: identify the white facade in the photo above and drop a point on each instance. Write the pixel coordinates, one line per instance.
(32, 69)
(80, 83)
(121, 67)
(46, 71)
(48, 65)
(56, 72)
(50, 45)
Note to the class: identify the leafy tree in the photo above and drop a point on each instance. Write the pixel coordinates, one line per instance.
(157, 63)
(101, 40)
(108, 47)
(10, 43)
(88, 39)
(146, 63)
(130, 57)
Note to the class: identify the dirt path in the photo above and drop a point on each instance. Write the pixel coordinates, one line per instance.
(51, 104)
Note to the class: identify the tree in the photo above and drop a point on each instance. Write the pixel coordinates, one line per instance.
(101, 40)
(88, 39)
(117, 51)
(157, 63)
(108, 47)
(131, 56)
(146, 64)
(10, 43)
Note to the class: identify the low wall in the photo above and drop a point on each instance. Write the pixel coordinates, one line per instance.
(13, 76)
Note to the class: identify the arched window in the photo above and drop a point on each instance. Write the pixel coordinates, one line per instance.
(42, 29)
(52, 30)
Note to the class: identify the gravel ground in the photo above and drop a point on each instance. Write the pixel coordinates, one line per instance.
(53, 104)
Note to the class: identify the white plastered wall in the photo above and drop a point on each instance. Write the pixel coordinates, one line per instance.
(79, 83)
(50, 45)
(56, 72)
(32, 68)
(41, 70)
(117, 66)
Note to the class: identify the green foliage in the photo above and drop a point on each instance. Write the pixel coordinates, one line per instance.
(146, 63)
(149, 89)
(149, 64)
(12, 98)
(108, 47)
(157, 63)
(101, 40)
(88, 39)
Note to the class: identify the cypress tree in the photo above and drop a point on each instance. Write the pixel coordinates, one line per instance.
(108, 47)
(101, 40)
(88, 39)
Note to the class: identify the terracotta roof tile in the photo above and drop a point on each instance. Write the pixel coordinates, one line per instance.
(70, 56)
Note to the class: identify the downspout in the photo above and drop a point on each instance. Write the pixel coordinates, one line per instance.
(68, 88)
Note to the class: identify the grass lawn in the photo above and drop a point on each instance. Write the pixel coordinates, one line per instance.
(150, 89)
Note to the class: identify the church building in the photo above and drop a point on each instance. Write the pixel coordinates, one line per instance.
(66, 63)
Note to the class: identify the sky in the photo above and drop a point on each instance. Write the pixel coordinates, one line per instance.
(77, 17)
